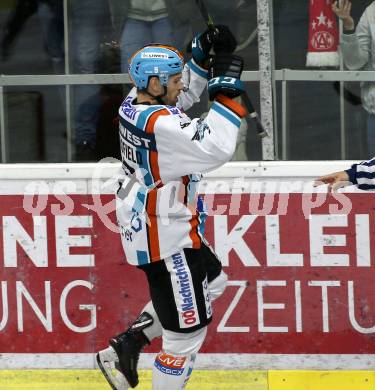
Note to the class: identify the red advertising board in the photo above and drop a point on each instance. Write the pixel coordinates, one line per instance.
(300, 282)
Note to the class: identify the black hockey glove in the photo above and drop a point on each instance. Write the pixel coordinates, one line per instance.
(220, 39)
(224, 75)
(224, 40)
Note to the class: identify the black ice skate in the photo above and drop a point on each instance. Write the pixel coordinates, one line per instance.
(128, 346)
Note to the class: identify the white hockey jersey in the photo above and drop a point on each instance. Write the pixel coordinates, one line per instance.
(164, 154)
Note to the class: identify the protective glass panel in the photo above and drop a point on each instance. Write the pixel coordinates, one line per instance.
(138, 23)
(241, 17)
(291, 21)
(316, 125)
(253, 141)
(94, 124)
(31, 37)
(35, 124)
(91, 46)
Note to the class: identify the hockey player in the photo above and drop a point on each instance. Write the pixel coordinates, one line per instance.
(161, 220)
(362, 175)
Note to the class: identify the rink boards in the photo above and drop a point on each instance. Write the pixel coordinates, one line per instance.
(299, 261)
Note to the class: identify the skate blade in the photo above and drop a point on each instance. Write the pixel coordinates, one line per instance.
(106, 360)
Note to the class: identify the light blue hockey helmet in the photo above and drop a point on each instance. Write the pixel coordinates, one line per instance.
(157, 60)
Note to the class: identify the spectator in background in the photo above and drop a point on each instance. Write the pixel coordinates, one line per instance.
(89, 23)
(357, 47)
(144, 21)
(51, 16)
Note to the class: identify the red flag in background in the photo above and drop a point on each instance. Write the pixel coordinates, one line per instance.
(323, 35)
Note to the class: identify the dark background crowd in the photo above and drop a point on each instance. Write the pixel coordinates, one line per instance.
(50, 37)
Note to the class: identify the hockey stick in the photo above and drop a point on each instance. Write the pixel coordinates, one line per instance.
(261, 131)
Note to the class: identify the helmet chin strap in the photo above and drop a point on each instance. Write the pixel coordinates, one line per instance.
(159, 98)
